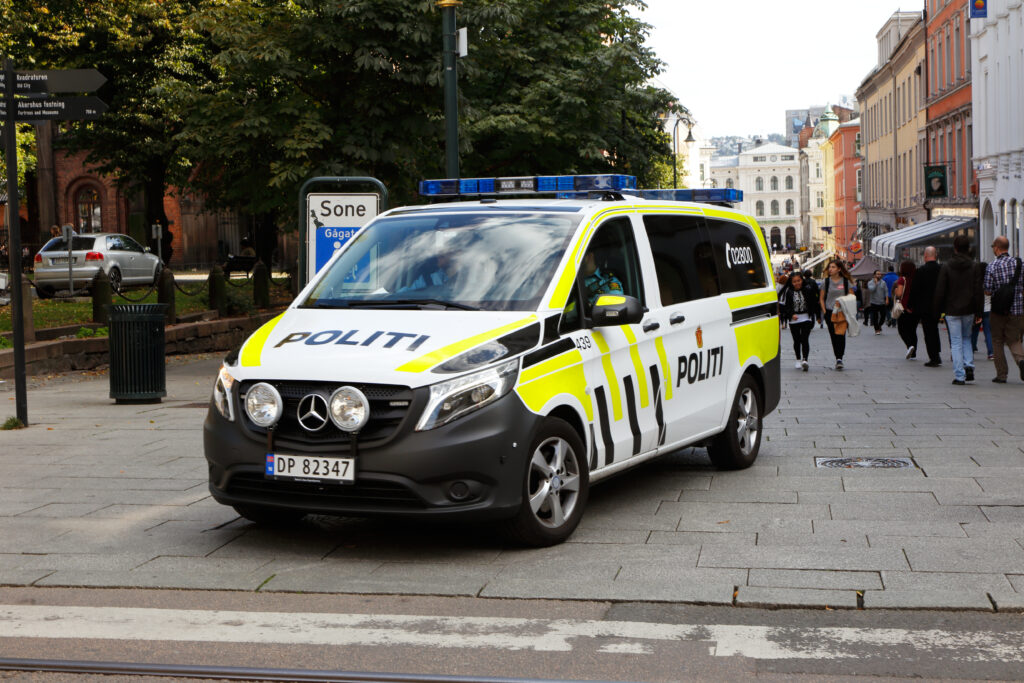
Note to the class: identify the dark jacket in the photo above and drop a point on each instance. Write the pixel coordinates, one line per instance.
(959, 290)
(810, 296)
(922, 290)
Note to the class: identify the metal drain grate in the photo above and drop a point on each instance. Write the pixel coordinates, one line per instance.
(852, 463)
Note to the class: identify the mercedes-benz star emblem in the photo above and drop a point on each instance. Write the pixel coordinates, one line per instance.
(312, 412)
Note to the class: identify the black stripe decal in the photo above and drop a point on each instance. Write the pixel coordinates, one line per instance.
(551, 328)
(593, 449)
(549, 351)
(634, 423)
(606, 430)
(658, 414)
(762, 311)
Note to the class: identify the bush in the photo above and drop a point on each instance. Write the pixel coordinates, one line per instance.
(12, 423)
(6, 343)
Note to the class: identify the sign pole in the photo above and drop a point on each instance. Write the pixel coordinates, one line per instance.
(14, 239)
(451, 86)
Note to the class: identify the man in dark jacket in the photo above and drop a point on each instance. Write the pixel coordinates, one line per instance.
(959, 294)
(922, 304)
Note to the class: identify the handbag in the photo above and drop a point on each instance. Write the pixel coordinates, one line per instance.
(897, 310)
(839, 323)
(1002, 298)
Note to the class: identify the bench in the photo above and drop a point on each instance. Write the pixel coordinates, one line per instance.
(244, 263)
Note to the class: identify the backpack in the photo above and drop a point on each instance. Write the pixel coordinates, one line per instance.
(1002, 298)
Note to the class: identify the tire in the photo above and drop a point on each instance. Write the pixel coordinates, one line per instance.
(44, 292)
(737, 446)
(556, 485)
(268, 516)
(115, 279)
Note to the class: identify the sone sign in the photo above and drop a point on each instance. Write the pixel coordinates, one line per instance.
(331, 220)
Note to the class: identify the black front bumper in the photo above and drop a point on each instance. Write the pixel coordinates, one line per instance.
(411, 474)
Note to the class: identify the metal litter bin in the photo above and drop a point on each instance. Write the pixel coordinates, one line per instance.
(137, 372)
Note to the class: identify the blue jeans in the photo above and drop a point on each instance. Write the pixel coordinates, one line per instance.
(959, 327)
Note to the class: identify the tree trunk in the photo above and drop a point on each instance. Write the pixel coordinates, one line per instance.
(154, 189)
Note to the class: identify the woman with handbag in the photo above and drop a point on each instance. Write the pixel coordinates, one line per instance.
(906, 319)
(837, 283)
(800, 307)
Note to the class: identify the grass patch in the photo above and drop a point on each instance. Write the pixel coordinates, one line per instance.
(58, 313)
(12, 423)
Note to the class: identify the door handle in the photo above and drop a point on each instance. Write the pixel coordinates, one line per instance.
(651, 326)
(677, 318)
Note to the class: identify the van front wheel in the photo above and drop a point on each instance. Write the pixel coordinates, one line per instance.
(556, 484)
(736, 447)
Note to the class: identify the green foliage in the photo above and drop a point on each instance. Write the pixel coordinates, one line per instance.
(6, 343)
(26, 142)
(12, 423)
(86, 332)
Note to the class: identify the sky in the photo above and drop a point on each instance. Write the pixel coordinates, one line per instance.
(739, 65)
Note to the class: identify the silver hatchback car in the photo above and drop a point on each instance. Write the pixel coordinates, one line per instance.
(125, 261)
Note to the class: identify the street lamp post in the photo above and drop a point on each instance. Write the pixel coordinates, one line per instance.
(451, 92)
(675, 154)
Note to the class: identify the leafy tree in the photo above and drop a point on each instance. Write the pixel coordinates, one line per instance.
(25, 137)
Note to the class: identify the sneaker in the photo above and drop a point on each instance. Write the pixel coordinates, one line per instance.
(959, 382)
(878, 332)
(933, 364)
(991, 357)
(911, 352)
(798, 365)
(999, 380)
(804, 365)
(969, 371)
(839, 364)
(1021, 366)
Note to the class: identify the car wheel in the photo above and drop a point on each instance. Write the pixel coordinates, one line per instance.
(44, 292)
(268, 516)
(115, 279)
(736, 447)
(556, 484)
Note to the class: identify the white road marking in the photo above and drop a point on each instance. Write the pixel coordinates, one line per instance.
(542, 635)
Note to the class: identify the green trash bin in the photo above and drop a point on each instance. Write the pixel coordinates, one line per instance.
(137, 372)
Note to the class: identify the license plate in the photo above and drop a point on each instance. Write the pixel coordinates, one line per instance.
(59, 260)
(310, 469)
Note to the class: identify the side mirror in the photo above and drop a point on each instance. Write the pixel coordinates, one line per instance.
(148, 250)
(615, 309)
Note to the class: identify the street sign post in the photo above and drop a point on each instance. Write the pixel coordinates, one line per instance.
(23, 99)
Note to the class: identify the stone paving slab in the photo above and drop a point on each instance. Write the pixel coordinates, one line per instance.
(122, 501)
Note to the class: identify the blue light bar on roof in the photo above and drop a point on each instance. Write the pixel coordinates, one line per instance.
(454, 187)
(728, 195)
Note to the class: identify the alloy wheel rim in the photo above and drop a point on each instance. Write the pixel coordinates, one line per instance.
(554, 482)
(747, 422)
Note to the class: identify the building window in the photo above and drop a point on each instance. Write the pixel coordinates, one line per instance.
(789, 207)
(775, 207)
(821, 196)
(759, 184)
(702, 171)
(759, 210)
(817, 169)
(775, 184)
(728, 182)
(88, 210)
(759, 158)
(791, 237)
(788, 157)
(789, 182)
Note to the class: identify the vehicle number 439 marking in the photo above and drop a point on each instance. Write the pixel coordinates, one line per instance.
(583, 342)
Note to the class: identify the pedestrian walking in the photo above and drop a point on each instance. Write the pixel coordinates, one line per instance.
(801, 308)
(906, 323)
(1007, 317)
(813, 291)
(781, 285)
(890, 279)
(837, 283)
(878, 301)
(985, 324)
(922, 303)
(958, 294)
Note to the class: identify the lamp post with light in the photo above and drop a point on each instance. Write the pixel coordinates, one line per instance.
(451, 91)
(675, 147)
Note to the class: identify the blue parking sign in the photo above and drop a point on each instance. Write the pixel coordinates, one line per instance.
(331, 221)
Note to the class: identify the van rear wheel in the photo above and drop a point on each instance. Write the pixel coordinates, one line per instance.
(737, 446)
(556, 485)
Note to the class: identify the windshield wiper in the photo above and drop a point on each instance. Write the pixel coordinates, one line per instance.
(428, 302)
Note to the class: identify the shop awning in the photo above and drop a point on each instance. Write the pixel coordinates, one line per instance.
(810, 263)
(889, 245)
(865, 268)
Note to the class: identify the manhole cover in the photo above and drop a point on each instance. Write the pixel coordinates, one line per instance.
(851, 463)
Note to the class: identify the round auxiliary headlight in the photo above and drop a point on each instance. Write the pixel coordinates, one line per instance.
(349, 409)
(263, 404)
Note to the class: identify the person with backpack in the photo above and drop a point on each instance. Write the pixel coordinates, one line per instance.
(906, 320)
(1003, 281)
(837, 283)
(958, 294)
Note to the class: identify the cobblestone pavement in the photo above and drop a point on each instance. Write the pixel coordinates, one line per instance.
(100, 495)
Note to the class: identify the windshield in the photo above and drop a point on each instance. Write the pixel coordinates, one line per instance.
(498, 262)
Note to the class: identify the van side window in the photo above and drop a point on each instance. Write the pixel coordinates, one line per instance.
(610, 265)
(737, 255)
(682, 258)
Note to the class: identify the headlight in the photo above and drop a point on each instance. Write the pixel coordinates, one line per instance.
(222, 394)
(449, 400)
(263, 404)
(349, 409)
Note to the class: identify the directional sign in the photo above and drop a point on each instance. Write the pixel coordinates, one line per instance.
(67, 80)
(332, 219)
(56, 108)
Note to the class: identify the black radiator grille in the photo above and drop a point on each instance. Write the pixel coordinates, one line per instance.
(371, 494)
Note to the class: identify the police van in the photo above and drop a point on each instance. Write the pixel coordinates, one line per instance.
(492, 358)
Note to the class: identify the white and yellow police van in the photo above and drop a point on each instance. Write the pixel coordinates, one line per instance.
(491, 359)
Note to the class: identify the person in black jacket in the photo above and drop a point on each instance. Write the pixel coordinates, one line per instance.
(922, 304)
(959, 294)
(800, 308)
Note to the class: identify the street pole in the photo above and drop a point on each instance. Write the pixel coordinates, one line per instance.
(675, 153)
(451, 87)
(14, 233)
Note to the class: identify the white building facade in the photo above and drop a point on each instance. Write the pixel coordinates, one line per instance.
(997, 55)
(769, 176)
